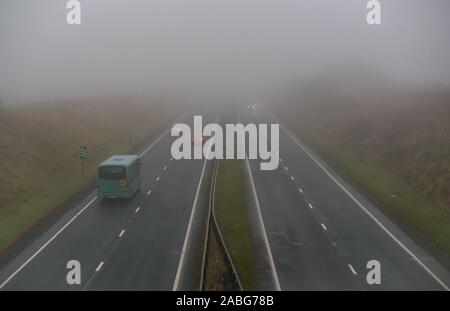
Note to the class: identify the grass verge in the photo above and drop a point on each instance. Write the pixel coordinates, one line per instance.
(217, 272)
(39, 162)
(232, 218)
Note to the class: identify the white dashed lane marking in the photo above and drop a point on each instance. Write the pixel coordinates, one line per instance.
(378, 222)
(323, 226)
(352, 269)
(69, 223)
(121, 233)
(137, 209)
(100, 265)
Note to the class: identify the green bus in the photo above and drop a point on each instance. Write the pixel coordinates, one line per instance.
(119, 177)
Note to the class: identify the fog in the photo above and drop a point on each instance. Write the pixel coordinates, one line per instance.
(212, 47)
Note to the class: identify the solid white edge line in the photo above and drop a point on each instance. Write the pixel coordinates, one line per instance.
(68, 223)
(352, 269)
(261, 223)
(100, 265)
(389, 233)
(188, 230)
(47, 243)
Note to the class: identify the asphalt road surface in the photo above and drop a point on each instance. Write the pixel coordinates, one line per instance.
(322, 232)
(130, 245)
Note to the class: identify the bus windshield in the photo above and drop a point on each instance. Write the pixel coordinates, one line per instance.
(112, 172)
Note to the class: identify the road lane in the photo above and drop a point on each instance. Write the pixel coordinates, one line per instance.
(147, 256)
(303, 255)
(310, 200)
(150, 224)
(89, 236)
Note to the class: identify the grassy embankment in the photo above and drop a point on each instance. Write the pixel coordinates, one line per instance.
(232, 216)
(39, 160)
(393, 145)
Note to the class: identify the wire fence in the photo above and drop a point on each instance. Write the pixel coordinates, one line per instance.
(17, 108)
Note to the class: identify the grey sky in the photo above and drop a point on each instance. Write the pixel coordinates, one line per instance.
(211, 46)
